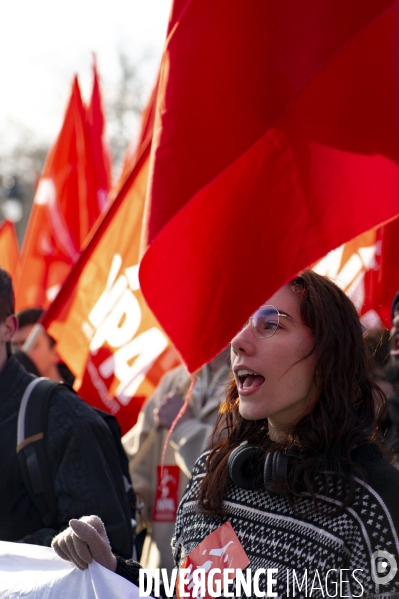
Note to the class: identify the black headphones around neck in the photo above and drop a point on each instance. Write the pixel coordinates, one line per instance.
(248, 471)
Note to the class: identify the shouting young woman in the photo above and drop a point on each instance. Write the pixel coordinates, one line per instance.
(296, 479)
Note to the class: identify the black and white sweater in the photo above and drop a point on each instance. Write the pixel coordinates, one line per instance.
(305, 547)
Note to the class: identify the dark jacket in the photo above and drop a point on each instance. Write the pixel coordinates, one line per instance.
(392, 423)
(83, 462)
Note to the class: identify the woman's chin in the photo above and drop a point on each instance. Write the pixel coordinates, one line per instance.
(251, 414)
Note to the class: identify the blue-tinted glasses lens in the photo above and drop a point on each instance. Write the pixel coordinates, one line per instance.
(265, 321)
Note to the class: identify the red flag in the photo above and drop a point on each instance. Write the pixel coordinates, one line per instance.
(368, 270)
(9, 251)
(134, 148)
(104, 330)
(64, 210)
(98, 144)
(276, 140)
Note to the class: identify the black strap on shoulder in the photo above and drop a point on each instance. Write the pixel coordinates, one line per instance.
(115, 430)
(32, 456)
(31, 431)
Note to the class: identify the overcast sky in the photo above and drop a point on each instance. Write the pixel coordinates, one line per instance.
(44, 42)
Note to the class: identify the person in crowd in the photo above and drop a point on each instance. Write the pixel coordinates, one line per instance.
(161, 496)
(392, 376)
(392, 368)
(25, 361)
(377, 343)
(395, 328)
(27, 319)
(85, 470)
(43, 352)
(296, 476)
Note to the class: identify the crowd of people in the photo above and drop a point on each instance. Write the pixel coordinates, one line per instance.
(285, 445)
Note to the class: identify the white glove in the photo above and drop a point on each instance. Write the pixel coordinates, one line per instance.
(85, 540)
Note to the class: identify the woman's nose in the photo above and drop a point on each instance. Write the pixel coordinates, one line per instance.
(244, 341)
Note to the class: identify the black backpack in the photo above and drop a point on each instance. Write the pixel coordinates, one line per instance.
(31, 432)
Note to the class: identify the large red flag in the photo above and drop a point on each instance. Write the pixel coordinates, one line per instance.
(9, 251)
(64, 210)
(104, 329)
(276, 140)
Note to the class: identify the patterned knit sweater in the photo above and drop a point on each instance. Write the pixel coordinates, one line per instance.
(305, 546)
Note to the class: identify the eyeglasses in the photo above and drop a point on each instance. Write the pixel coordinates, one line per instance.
(265, 321)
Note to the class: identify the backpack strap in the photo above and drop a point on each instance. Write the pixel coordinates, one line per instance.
(31, 451)
(115, 429)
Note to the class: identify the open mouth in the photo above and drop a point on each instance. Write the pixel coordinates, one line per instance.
(249, 380)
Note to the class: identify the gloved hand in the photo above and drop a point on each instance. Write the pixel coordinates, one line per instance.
(169, 408)
(85, 540)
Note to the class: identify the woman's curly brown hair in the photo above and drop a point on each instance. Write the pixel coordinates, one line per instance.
(343, 417)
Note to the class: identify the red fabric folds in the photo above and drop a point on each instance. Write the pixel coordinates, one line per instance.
(65, 207)
(276, 140)
(99, 147)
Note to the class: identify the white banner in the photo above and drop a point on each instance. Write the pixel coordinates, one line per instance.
(33, 572)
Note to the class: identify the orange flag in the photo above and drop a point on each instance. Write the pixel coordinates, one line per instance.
(9, 251)
(104, 329)
(64, 210)
(367, 269)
